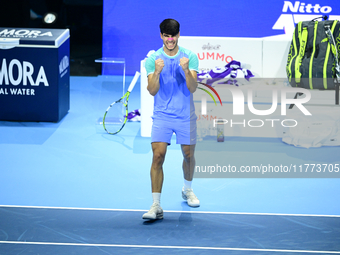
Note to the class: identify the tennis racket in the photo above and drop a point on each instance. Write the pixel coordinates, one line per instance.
(334, 51)
(116, 114)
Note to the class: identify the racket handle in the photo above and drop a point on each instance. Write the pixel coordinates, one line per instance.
(134, 80)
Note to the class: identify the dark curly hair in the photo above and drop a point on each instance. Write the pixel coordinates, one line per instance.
(170, 27)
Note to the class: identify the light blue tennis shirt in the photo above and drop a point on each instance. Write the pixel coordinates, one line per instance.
(173, 101)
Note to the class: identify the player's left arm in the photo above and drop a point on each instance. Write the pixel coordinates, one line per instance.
(190, 75)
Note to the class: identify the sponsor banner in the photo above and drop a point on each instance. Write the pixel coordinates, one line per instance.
(34, 81)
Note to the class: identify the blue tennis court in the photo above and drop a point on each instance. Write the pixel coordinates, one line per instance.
(89, 231)
(70, 188)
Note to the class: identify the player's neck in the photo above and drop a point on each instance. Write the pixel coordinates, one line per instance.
(171, 53)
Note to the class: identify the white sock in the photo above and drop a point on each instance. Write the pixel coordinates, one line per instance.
(187, 184)
(156, 197)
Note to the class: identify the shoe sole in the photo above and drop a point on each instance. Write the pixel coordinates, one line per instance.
(159, 216)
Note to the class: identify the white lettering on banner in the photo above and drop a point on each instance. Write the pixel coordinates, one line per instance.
(4, 73)
(302, 8)
(11, 67)
(24, 74)
(301, 12)
(22, 92)
(23, 33)
(28, 70)
(64, 64)
(17, 92)
(6, 32)
(3, 91)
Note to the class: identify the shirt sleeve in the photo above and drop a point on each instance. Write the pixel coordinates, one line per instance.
(150, 65)
(193, 61)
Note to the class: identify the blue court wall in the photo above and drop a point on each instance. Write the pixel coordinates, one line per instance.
(131, 28)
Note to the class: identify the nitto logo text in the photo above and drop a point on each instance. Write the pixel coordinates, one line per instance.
(303, 8)
(294, 12)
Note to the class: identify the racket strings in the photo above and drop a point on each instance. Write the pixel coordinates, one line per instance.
(116, 115)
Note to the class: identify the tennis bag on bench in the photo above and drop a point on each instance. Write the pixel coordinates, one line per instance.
(313, 59)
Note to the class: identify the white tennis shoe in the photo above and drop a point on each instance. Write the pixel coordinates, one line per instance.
(190, 197)
(155, 212)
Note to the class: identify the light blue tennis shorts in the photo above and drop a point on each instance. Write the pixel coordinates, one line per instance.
(163, 130)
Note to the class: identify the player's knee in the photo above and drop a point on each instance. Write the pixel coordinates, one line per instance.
(158, 156)
(189, 157)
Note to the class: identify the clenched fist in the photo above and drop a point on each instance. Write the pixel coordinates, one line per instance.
(184, 63)
(159, 64)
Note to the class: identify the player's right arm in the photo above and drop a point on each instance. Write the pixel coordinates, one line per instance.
(153, 78)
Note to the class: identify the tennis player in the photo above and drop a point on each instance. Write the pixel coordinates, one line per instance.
(172, 80)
